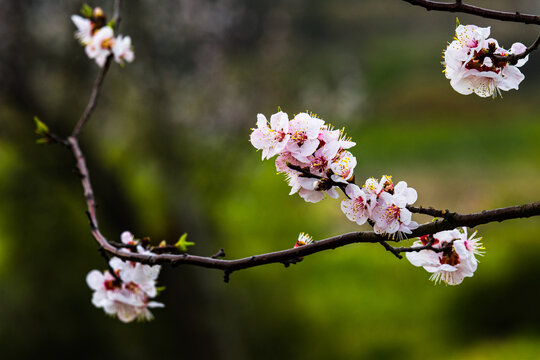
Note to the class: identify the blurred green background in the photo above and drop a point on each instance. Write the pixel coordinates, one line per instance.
(168, 152)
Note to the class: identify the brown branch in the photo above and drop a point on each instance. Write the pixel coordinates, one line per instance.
(458, 6)
(430, 211)
(392, 249)
(99, 80)
(85, 180)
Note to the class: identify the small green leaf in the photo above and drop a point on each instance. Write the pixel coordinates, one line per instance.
(457, 23)
(111, 24)
(86, 11)
(41, 128)
(160, 289)
(182, 244)
(43, 141)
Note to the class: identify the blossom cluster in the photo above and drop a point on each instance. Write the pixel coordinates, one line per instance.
(383, 204)
(454, 262)
(127, 291)
(477, 64)
(315, 160)
(317, 152)
(98, 38)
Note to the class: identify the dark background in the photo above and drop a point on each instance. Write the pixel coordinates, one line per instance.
(168, 153)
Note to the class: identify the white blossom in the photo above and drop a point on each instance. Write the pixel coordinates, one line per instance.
(122, 49)
(84, 29)
(453, 265)
(125, 300)
(99, 47)
(473, 65)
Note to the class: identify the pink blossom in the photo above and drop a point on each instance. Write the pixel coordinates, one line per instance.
(356, 208)
(322, 159)
(304, 130)
(343, 167)
(271, 140)
(375, 187)
(327, 135)
(390, 218)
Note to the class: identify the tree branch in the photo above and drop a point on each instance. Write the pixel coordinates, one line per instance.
(458, 6)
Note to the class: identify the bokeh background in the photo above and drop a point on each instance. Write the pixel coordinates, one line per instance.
(168, 152)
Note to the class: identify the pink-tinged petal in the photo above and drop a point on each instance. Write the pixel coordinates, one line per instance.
(432, 269)
(258, 139)
(511, 77)
(280, 121)
(117, 264)
(95, 280)
(329, 151)
(262, 123)
(447, 236)
(84, 29)
(487, 62)
(462, 251)
(332, 192)
(346, 144)
(463, 86)
(355, 210)
(126, 237)
(405, 216)
(126, 313)
(155, 304)
(354, 191)
(100, 300)
(454, 278)
(423, 257)
(484, 32)
(519, 48)
(446, 267)
(311, 196)
(307, 183)
(407, 229)
(309, 147)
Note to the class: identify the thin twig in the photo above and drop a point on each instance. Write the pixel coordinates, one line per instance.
(392, 249)
(458, 6)
(430, 211)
